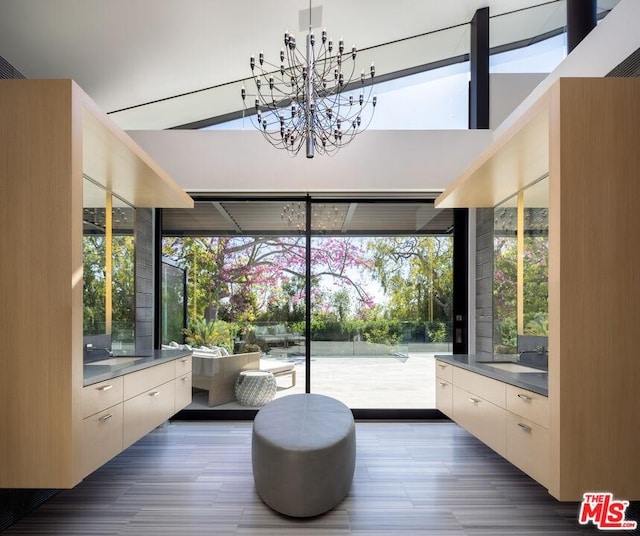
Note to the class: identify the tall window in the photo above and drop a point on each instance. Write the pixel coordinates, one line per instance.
(379, 282)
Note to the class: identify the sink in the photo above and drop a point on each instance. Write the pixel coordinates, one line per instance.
(512, 367)
(116, 361)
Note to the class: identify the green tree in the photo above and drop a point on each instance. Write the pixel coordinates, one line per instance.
(416, 273)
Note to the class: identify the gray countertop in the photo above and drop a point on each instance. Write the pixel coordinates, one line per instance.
(537, 382)
(110, 367)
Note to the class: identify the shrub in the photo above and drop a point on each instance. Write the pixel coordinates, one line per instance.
(204, 333)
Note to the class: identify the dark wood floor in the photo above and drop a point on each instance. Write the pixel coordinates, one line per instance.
(194, 478)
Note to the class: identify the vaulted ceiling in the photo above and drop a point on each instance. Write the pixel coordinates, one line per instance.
(147, 62)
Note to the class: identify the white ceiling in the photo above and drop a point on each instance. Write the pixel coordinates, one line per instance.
(126, 53)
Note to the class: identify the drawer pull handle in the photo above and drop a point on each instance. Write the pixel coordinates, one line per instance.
(155, 393)
(184, 378)
(524, 397)
(524, 427)
(474, 400)
(105, 417)
(105, 387)
(442, 366)
(184, 360)
(443, 384)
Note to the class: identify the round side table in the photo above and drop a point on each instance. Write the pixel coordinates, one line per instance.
(255, 387)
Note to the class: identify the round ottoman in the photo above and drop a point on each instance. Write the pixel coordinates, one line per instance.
(303, 454)
(255, 387)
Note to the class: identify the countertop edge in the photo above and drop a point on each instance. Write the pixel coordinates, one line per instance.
(93, 374)
(468, 362)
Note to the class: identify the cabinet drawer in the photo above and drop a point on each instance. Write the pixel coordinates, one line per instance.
(487, 388)
(531, 406)
(183, 365)
(444, 371)
(481, 418)
(528, 447)
(101, 396)
(183, 392)
(444, 397)
(143, 380)
(101, 438)
(144, 412)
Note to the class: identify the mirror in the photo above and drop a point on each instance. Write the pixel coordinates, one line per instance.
(533, 328)
(108, 273)
(123, 289)
(520, 272)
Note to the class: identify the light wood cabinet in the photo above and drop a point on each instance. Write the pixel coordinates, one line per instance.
(444, 388)
(51, 134)
(101, 395)
(584, 133)
(482, 418)
(183, 392)
(144, 412)
(527, 447)
(119, 411)
(510, 420)
(102, 435)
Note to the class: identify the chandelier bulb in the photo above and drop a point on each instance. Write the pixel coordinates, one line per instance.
(310, 92)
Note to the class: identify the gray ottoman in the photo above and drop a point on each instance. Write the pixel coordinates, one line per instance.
(303, 454)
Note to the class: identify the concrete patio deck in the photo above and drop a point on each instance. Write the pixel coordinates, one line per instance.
(361, 382)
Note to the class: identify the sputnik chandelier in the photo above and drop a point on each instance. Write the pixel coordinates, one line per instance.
(313, 99)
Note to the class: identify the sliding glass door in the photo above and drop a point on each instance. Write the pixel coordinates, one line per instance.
(348, 298)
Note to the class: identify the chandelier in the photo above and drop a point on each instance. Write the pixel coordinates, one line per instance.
(314, 99)
(323, 217)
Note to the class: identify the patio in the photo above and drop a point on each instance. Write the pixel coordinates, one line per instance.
(398, 381)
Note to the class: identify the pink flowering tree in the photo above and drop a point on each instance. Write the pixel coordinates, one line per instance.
(242, 278)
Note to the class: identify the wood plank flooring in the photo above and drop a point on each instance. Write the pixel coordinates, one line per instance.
(412, 478)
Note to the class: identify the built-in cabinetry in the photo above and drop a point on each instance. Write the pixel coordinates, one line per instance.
(51, 135)
(119, 411)
(585, 134)
(511, 420)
